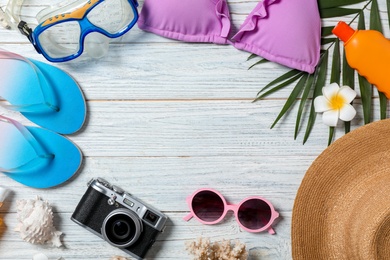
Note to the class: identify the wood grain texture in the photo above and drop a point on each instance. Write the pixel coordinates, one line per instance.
(164, 119)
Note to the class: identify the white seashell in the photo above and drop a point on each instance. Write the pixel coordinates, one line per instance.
(40, 256)
(36, 222)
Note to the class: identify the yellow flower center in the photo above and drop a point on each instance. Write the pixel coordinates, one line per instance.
(337, 102)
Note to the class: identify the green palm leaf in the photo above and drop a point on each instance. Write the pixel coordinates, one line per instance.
(336, 63)
(280, 86)
(375, 24)
(327, 30)
(365, 86)
(259, 62)
(323, 4)
(388, 11)
(348, 73)
(321, 77)
(335, 77)
(325, 41)
(282, 78)
(348, 80)
(337, 11)
(292, 98)
(308, 86)
(252, 56)
(331, 134)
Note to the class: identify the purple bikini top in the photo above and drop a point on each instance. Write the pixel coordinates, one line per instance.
(284, 31)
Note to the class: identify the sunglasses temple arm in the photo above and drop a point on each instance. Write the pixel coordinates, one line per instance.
(271, 231)
(188, 217)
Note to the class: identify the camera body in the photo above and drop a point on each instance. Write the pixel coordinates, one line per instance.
(119, 218)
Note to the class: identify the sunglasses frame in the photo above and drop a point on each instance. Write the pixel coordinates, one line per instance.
(234, 208)
(86, 28)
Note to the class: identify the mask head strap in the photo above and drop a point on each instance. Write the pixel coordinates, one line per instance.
(10, 19)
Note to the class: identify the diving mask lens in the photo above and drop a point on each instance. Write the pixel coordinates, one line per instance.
(112, 16)
(61, 40)
(61, 36)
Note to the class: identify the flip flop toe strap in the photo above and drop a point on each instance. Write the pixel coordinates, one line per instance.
(37, 162)
(41, 159)
(48, 104)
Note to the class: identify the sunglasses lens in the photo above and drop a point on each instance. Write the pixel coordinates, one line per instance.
(254, 214)
(207, 206)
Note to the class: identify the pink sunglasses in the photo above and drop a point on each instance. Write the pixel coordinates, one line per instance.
(254, 214)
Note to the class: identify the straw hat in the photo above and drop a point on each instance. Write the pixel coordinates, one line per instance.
(342, 209)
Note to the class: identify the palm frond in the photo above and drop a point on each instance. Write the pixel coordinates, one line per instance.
(324, 4)
(335, 76)
(337, 12)
(282, 78)
(364, 85)
(327, 30)
(348, 80)
(376, 24)
(308, 86)
(280, 86)
(320, 82)
(388, 11)
(292, 98)
(258, 62)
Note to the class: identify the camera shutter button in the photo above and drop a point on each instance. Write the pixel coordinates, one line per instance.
(117, 190)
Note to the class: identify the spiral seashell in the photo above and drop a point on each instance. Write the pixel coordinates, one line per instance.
(36, 222)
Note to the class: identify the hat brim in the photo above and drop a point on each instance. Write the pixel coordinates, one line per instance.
(342, 208)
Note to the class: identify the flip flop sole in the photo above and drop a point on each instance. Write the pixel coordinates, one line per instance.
(21, 86)
(16, 150)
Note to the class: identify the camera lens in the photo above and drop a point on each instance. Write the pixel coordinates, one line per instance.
(121, 228)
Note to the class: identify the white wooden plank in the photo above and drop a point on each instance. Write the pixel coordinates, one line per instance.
(177, 71)
(218, 128)
(79, 243)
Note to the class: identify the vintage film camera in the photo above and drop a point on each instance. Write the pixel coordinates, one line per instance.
(119, 218)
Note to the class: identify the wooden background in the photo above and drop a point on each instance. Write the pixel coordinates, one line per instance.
(164, 119)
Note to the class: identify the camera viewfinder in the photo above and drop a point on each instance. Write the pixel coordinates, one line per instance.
(151, 217)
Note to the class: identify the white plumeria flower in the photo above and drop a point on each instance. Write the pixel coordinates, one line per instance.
(335, 104)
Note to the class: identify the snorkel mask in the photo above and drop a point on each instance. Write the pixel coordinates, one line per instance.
(65, 30)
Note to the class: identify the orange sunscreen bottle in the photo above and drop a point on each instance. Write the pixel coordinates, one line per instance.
(368, 52)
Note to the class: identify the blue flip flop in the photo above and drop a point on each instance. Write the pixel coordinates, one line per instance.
(36, 157)
(44, 94)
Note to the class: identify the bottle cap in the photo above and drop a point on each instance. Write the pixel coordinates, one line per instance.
(3, 193)
(343, 31)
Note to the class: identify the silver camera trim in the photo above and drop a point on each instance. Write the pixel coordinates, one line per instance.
(117, 195)
(135, 219)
